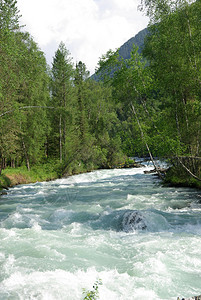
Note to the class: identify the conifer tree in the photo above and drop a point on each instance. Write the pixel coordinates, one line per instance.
(81, 74)
(62, 74)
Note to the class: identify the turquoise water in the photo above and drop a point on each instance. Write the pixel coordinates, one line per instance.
(141, 239)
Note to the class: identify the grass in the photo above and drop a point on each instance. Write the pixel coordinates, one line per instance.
(20, 175)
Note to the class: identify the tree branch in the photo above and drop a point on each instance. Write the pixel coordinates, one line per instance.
(193, 175)
(26, 107)
(143, 138)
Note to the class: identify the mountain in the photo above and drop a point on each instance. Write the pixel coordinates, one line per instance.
(138, 40)
(125, 49)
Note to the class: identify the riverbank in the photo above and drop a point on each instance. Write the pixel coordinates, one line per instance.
(14, 176)
(50, 171)
(180, 178)
(53, 170)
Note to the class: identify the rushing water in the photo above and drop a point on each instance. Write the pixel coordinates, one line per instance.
(141, 239)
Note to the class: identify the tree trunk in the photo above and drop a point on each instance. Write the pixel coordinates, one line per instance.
(188, 170)
(143, 138)
(26, 155)
(4, 164)
(12, 163)
(1, 164)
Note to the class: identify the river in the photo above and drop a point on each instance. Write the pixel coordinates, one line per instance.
(121, 226)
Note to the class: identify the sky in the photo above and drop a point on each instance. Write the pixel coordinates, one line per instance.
(89, 28)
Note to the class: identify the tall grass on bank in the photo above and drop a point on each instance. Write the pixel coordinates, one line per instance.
(20, 175)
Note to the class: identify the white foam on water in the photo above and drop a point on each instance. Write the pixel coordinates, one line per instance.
(21, 219)
(101, 175)
(191, 229)
(36, 226)
(64, 186)
(40, 193)
(60, 284)
(146, 264)
(141, 201)
(53, 249)
(27, 210)
(61, 215)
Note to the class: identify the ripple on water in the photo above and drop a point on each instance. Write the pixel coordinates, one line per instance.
(60, 237)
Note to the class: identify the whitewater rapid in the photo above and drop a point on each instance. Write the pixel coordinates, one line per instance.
(121, 226)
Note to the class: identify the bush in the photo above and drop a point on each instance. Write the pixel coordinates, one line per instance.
(93, 294)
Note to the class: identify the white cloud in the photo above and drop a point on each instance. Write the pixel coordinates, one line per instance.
(88, 27)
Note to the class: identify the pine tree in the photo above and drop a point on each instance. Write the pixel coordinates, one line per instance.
(81, 74)
(62, 74)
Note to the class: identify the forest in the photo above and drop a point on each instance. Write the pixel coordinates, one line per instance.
(60, 119)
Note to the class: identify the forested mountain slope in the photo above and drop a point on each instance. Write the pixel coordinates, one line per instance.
(126, 48)
(138, 40)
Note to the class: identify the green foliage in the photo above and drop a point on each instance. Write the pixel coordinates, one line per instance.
(62, 117)
(9, 19)
(62, 97)
(4, 182)
(138, 40)
(95, 120)
(46, 171)
(107, 66)
(94, 293)
(177, 71)
(164, 91)
(67, 116)
(108, 63)
(177, 176)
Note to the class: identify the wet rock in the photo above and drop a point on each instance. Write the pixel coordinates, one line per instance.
(5, 187)
(163, 171)
(3, 193)
(192, 298)
(150, 172)
(133, 220)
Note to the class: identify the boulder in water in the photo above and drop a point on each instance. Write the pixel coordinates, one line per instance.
(133, 220)
(192, 298)
(3, 193)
